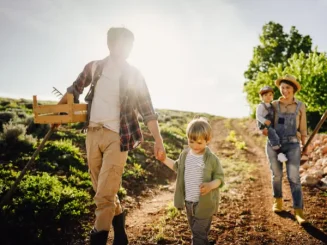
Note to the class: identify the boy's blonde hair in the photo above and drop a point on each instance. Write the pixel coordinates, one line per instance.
(199, 128)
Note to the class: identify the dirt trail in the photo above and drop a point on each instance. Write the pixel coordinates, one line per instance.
(146, 212)
(149, 210)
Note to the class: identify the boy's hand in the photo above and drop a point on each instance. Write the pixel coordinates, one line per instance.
(205, 188)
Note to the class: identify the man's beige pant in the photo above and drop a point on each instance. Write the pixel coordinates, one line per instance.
(106, 165)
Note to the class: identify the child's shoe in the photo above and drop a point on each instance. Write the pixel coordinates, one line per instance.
(278, 205)
(281, 157)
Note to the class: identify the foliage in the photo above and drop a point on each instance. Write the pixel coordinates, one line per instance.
(37, 130)
(15, 142)
(64, 154)
(6, 117)
(276, 47)
(40, 206)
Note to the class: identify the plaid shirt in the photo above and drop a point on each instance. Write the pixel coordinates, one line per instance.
(133, 96)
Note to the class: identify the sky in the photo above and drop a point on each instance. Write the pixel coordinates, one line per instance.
(192, 53)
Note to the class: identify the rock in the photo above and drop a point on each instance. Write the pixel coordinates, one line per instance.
(324, 180)
(316, 173)
(305, 166)
(309, 180)
(325, 170)
(324, 162)
(318, 163)
(324, 150)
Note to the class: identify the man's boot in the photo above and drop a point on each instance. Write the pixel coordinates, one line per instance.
(299, 216)
(278, 205)
(98, 237)
(120, 237)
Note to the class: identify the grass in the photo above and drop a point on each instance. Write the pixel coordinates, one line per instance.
(239, 144)
(236, 172)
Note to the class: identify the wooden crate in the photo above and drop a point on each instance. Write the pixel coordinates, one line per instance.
(60, 113)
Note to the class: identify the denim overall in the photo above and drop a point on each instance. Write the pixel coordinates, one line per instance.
(286, 130)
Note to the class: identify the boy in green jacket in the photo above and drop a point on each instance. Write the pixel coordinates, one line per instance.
(199, 177)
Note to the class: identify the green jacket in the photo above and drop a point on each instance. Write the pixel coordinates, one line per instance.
(208, 204)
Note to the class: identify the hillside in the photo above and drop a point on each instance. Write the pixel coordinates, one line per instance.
(53, 204)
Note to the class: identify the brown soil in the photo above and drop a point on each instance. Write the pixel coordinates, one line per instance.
(245, 215)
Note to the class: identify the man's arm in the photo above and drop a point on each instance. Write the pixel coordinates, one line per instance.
(159, 149)
(150, 117)
(83, 80)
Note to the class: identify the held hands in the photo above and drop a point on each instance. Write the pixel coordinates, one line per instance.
(159, 150)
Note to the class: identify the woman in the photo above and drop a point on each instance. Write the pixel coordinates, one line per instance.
(291, 127)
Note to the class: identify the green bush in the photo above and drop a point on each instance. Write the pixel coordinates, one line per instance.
(4, 103)
(63, 154)
(41, 207)
(14, 142)
(12, 132)
(6, 117)
(37, 130)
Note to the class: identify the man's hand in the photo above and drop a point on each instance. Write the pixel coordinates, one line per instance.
(205, 188)
(159, 150)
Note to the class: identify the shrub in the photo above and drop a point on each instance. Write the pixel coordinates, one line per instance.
(6, 117)
(37, 130)
(64, 154)
(40, 206)
(11, 132)
(15, 142)
(4, 103)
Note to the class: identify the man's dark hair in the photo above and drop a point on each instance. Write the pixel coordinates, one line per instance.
(116, 32)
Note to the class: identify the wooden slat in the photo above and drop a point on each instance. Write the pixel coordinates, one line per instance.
(34, 101)
(75, 112)
(53, 119)
(79, 107)
(70, 99)
(79, 118)
(52, 108)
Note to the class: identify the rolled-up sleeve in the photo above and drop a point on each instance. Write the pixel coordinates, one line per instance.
(143, 100)
(83, 80)
(219, 173)
(303, 121)
(260, 114)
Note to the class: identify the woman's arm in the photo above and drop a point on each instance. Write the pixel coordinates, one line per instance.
(303, 124)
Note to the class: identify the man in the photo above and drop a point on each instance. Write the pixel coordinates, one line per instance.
(117, 91)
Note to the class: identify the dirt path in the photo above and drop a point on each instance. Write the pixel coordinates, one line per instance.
(245, 215)
(148, 211)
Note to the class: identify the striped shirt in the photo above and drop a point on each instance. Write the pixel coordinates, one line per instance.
(194, 165)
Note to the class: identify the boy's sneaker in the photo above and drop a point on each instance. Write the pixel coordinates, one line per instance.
(281, 157)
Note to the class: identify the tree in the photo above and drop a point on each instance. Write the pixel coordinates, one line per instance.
(276, 48)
